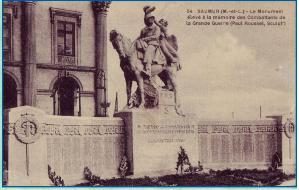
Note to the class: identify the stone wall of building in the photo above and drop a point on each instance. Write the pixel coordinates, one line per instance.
(17, 34)
(47, 70)
(44, 31)
(45, 89)
(87, 56)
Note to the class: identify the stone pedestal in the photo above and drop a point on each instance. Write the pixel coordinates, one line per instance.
(153, 140)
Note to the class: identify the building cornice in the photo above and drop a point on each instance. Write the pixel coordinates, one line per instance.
(54, 67)
(66, 67)
(67, 13)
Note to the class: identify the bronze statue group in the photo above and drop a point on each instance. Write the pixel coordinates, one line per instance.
(153, 53)
(155, 35)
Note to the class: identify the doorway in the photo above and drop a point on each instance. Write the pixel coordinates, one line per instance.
(66, 98)
(10, 92)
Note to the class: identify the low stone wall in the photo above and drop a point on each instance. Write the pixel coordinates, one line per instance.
(75, 143)
(238, 144)
(154, 139)
(150, 139)
(67, 144)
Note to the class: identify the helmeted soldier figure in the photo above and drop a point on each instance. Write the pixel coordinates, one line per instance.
(149, 39)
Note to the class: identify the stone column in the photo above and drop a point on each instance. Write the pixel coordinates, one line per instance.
(100, 12)
(29, 53)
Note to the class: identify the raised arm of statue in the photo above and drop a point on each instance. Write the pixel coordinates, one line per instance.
(163, 29)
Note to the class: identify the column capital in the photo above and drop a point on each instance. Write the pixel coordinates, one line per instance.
(101, 6)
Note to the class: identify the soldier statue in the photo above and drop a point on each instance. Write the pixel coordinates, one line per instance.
(153, 53)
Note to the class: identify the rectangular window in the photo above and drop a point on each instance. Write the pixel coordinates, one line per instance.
(66, 34)
(66, 39)
(6, 37)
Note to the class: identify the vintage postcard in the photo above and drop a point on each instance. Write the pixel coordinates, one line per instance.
(161, 94)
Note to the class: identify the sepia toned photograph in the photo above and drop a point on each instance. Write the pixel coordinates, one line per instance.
(149, 93)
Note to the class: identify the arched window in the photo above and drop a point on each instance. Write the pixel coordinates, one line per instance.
(66, 97)
(10, 92)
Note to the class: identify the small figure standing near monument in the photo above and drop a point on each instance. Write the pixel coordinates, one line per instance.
(183, 159)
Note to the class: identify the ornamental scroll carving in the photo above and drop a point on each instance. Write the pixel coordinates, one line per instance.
(27, 129)
(289, 128)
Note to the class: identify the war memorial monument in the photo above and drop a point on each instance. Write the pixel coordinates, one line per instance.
(146, 135)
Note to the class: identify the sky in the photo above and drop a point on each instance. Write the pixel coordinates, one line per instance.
(225, 69)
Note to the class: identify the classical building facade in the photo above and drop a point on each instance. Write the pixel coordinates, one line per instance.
(55, 56)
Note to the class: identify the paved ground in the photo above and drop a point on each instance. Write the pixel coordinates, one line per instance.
(291, 182)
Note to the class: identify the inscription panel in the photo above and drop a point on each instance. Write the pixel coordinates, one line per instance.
(270, 147)
(225, 153)
(237, 142)
(157, 141)
(248, 148)
(77, 130)
(259, 147)
(237, 152)
(203, 145)
(215, 147)
(72, 147)
(69, 155)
